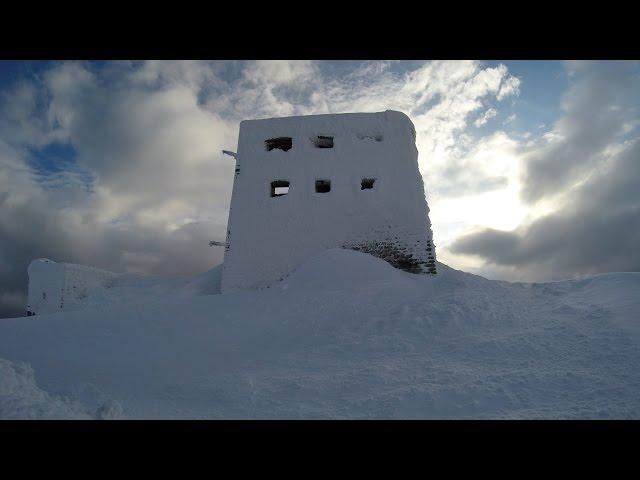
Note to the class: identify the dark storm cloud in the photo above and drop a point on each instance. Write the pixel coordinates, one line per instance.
(592, 166)
(598, 230)
(598, 107)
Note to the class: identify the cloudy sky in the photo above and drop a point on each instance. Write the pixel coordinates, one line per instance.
(531, 169)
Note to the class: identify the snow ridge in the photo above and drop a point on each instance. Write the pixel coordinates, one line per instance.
(344, 336)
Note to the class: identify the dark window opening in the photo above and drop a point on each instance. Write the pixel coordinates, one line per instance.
(279, 188)
(323, 186)
(282, 143)
(322, 141)
(367, 183)
(44, 295)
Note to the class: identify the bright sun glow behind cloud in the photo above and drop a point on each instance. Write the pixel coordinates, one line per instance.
(500, 208)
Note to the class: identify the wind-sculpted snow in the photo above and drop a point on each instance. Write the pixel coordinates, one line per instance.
(347, 336)
(21, 398)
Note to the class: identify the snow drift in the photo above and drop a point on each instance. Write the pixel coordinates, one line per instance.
(344, 336)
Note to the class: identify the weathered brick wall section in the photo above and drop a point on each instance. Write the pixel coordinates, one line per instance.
(408, 250)
(411, 255)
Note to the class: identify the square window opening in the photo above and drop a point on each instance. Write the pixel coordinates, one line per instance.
(279, 188)
(322, 141)
(367, 183)
(280, 143)
(323, 186)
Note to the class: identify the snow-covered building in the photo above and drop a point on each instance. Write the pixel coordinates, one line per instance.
(54, 286)
(309, 183)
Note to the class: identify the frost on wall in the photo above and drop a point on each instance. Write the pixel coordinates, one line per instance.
(316, 182)
(56, 286)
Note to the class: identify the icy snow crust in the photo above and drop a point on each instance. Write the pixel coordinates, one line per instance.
(270, 236)
(344, 336)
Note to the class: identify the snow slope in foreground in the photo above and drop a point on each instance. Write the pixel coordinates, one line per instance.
(344, 336)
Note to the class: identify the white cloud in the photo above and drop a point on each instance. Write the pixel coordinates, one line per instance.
(279, 72)
(485, 117)
(488, 180)
(510, 86)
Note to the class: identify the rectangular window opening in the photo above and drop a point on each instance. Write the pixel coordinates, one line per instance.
(281, 143)
(367, 183)
(279, 188)
(322, 141)
(323, 186)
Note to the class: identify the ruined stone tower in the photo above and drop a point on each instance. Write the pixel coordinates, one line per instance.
(306, 184)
